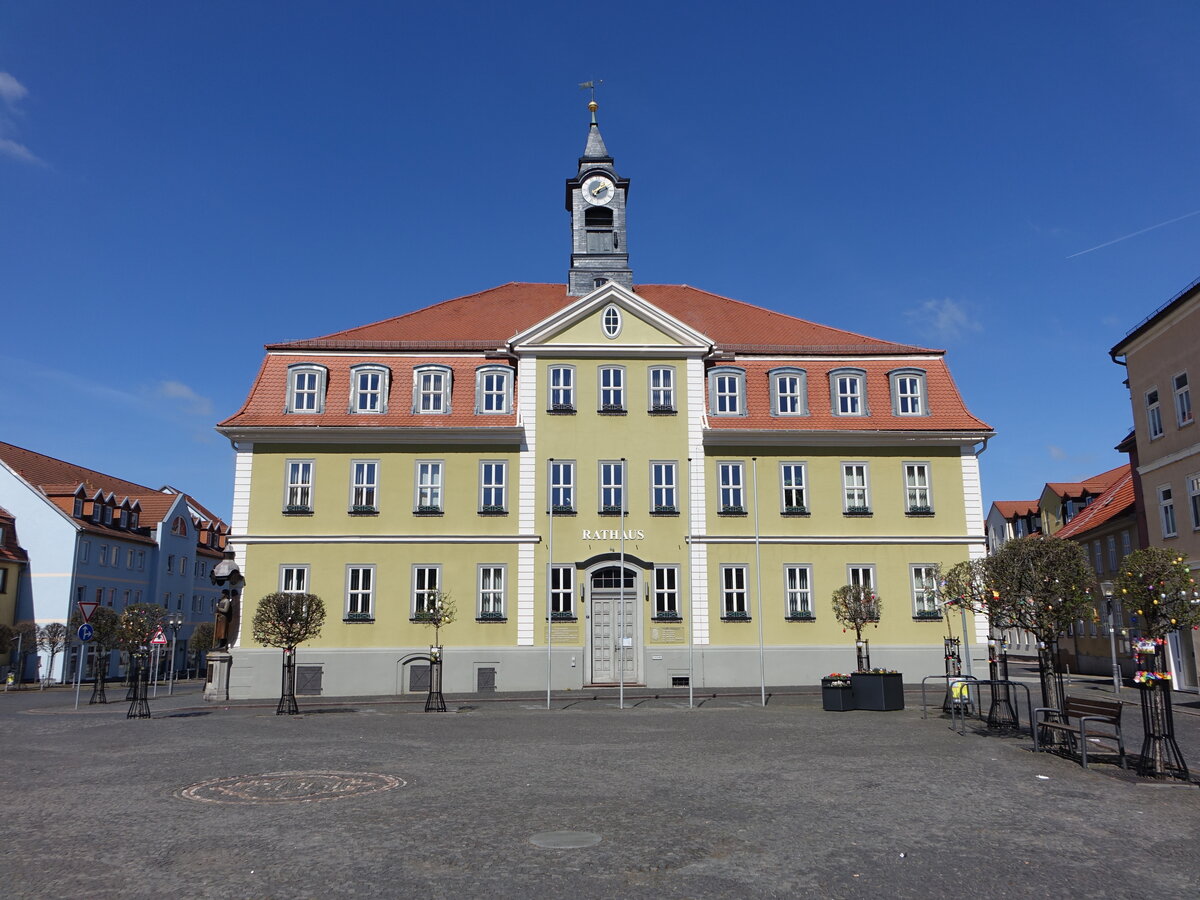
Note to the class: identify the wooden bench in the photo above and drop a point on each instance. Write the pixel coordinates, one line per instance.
(1096, 720)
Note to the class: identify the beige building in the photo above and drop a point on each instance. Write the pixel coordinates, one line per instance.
(1160, 356)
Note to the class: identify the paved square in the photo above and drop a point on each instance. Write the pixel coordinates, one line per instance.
(727, 800)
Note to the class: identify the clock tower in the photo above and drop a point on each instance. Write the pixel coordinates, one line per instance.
(596, 201)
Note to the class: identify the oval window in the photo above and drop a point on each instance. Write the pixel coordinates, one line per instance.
(611, 322)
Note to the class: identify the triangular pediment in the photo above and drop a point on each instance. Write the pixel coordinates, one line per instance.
(611, 319)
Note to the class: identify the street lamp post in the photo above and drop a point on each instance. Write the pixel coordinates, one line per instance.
(175, 622)
(1107, 589)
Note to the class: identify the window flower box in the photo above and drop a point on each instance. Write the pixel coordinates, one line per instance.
(429, 511)
(364, 510)
(610, 510)
(358, 617)
(662, 409)
(563, 510)
(879, 691)
(666, 511)
(611, 409)
(562, 408)
(927, 615)
(490, 617)
(667, 616)
(492, 510)
(919, 511)
(858, 510)
(795, 510)
(563, 617)
(732, 511)
(297, 510)
(801, 617)
(735, 615)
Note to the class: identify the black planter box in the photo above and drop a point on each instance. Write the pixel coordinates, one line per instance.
(837, 699)
(879, 692)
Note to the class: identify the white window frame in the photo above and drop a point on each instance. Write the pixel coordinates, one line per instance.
(426, 582)
(666, 592)
(493, 485)
(798, 591)
(861, 575)
(922, 579)
(491, 579)
(852, 489)
(1111, 546)
(293, 578)
(306, 388)
(493, 390)
(726, 391)
(918, 486)
(299, 479)
(611, 322)
(1126, 544)
(662, 389)
(364, 485)
(610, 383)
(1097, 557)
(612, 485)
(793, 496)
(562, 393)
(1193, 486)
(1154, 425)
(103, 560)
(735, 593)
(664, 485)
(908, 392)
(731, 486)
(794, 400)
(360, 591)
(431, 398)
(1184, 415)
(429, 486)
(848, 392)
(562, 592)
(372, 398)
(1166, 511)
(85, 550)
(564, 487)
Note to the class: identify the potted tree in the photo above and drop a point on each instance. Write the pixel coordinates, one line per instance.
(856, 606)
(439, 611)
(286, 620)
(1157, 586)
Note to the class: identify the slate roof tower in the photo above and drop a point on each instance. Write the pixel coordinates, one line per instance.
(596, 199)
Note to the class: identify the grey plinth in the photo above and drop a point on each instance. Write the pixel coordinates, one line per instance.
(216, 684)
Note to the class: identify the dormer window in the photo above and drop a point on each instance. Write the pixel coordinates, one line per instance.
(77, 512)
(431, 390)
(789, 392)
(908, 392)
(179, 526)
(368, 389)
(132, 518)
(493, 390)
(108, 511)
(610, 322)
(727, 392)
(306, 389)
(848, 391)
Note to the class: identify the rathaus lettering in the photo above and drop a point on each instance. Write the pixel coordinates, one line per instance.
(633, 534)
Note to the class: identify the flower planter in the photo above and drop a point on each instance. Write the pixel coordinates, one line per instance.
(836, 699)
(879, 691)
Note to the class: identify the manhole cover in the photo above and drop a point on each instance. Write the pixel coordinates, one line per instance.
(565, 840)
(290, 787)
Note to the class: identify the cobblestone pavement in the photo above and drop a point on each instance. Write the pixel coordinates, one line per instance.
(730, 799)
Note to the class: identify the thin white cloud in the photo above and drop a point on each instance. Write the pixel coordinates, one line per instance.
(1125, 237)
(19, 151)
(1058, 452)
(192, 403)
(947, 319)
(11, 90)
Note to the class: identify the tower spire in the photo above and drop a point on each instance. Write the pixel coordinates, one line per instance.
(596, 200)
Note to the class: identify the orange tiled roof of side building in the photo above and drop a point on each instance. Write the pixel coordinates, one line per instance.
(1095, 485)
(489, 318)
(1119, 498)
(1010, 508)
(10, 549)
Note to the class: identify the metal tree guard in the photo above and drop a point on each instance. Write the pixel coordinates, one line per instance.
(139, 708)
(287, 699)
(950, 650)
(1001, 714)
(98, 694)
(1160, 757)
(435, 702)
(863, 650)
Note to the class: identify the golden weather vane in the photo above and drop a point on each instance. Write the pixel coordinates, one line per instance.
(591, 86)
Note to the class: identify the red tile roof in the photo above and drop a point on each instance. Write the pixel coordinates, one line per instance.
(489, 318)
(1097, 484)
(10, 548)
(1012, 508)
(1115, 501)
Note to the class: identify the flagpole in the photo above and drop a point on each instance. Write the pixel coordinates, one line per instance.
(621, 616)
(691, 623)
(550, 590)
(762, 666)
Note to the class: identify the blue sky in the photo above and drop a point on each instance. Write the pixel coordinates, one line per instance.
(181, 183)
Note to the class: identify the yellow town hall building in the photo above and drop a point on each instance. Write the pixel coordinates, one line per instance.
(614, 482)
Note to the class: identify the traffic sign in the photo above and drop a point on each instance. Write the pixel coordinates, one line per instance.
(159, 638)
(86, 608)
(86, 632)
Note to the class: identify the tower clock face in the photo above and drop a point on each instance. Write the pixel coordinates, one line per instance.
(598, 190)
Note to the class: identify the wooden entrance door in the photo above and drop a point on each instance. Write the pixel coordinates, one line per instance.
(609, 625)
